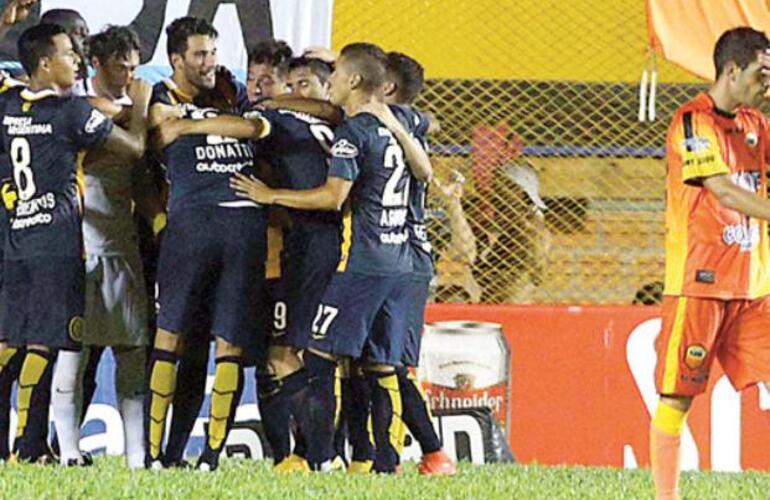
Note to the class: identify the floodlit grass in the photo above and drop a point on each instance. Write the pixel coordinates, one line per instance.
(248, 479)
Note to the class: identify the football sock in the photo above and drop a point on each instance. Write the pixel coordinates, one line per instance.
(10, 365)
(188, 398)
(33, 370)
(417, 416)
(275, 397)
(38, 425)
(162, 385)
(359, 420)
(130, 386)
(318, 419)
(386, 420)
(342, 402)
(225, 396)
(665, 439)
(65, 414)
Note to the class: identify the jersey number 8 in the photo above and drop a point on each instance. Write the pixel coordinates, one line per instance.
(22, 172)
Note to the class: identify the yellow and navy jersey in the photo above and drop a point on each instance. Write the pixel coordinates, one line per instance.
(712, 250)
(43, 136)
(199, 167)
(422, 261)
(375, 237)
(297, 147)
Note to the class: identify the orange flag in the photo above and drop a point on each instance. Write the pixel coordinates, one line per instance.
(685, 31)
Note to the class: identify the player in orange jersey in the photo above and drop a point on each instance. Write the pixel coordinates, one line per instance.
(717, 287)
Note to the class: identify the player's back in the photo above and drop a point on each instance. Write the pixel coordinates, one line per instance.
(375, 239)
(199, 167)
(44, 136)
(711, 250)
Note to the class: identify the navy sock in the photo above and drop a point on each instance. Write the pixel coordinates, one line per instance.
(386, 420)
(188, 398)
(416, 413)
(9, 373)
(358, 418)
(275, 396)
(38, 426)
(318, 418)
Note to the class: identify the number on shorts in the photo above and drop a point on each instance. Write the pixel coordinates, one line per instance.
(279, 316)
(323, 320)
(22, 172)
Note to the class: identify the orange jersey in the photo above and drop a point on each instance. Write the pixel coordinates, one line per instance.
(711, 250)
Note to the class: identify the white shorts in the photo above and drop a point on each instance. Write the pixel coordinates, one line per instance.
(116, 301)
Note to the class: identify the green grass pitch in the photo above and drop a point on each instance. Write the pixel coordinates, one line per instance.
(247, 479)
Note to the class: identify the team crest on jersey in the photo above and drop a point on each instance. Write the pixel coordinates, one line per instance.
(344, 149)
(76, 328)
(96, 119)
(695, 356)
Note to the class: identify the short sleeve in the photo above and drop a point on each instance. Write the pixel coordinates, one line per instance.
(160, 95)
(84, 125)
(346, 152)
(268, 119)
(697, 141)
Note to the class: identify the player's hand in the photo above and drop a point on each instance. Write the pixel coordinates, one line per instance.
(17, 11)
(166, 133)
(322, 53)
(168, 111)
(383, 113)
(251, 188)
(140, 91)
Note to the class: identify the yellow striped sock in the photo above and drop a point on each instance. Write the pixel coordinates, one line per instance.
(162, 387)
(32, 371)
(227, 379)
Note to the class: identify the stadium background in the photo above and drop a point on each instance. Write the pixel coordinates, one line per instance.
(552, 85)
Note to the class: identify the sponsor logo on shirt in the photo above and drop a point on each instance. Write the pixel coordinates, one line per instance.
(696, 144)
(344, 149)
(96, 119)
(740, 234)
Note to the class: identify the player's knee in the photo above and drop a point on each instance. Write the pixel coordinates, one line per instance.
(681, 403)
(225, 348)
(130, 374)
(167, 341)
(282, 361)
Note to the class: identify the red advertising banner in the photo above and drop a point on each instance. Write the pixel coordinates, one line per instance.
(582, 390)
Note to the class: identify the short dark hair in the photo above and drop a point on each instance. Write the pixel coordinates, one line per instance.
(370, 62)
(36, 42)
(181, 29)
(115, 41)
(59, 16)
(407, 74)
(319, 68)
(272, 52)
(739, 45)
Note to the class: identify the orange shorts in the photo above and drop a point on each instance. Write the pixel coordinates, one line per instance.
(697, 330)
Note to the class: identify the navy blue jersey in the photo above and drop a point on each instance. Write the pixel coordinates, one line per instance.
(199, 167)
(297, 148)
(375, 238)
(43, 135)
(422, 261)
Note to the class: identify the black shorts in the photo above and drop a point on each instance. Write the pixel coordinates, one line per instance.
(43, 301)
(213, 260)
(419, 289)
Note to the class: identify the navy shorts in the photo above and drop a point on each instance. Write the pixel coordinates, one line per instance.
(363, 316)
(311, 259)
(213, 260)
(419, 289)
(43, 301)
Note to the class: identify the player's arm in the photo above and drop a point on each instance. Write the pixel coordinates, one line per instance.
(133, 140)
(224, 125)
(315, 107)
(330, 196)
(415, 155)
(736, 198)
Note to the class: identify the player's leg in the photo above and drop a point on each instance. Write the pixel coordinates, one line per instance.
(162, 385)
(63, 404)
(685, 350)
(11, 359)
(225, 396)
(37, 361)
(359, 421)
(131, 389)
(189, 395)
(416, 410)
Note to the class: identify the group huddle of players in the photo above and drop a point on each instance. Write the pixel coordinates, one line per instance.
(283, 219)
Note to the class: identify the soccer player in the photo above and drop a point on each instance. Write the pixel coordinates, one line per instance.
(43, 133)
(404, 81)
(362, 310)
(717, 270)
(213, 249)
(116, 296)
(77, 28)
(266, 72)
